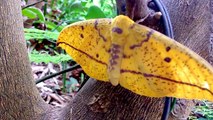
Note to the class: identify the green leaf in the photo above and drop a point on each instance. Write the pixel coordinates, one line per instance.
(53, 26)
(40, 34)
(76, 6)
(83, 3)
(52, 3)
(46, 58)
(95, 12)
(33, 12)
(28, 13)
(38, 12)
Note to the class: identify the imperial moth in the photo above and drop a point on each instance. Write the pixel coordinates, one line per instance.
(138, 58)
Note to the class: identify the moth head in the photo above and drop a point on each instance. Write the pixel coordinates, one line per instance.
(120, 24)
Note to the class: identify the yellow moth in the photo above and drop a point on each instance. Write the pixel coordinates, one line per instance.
(138, 58)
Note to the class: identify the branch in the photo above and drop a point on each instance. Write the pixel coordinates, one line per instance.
(137, 9)
(32, 4)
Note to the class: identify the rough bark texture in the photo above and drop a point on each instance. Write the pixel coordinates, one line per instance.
(97, 100)
(19, 98)
(210, 59)
(102, 101)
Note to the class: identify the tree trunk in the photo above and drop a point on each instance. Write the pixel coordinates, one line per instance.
(97, 100)
(19, 98)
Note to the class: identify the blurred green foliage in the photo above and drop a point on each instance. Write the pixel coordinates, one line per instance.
(202, 112)
(32, 33)
(77, 10)
(55, 15)
(40, 57)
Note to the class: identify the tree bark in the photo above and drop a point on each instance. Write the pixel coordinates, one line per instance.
(97, 100)
(19, 98)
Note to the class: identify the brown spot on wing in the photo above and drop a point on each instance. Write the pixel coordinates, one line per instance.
(125, 56)
(168, 49)
(117, 30)
(81, 35)
(82, 27)
(132, 26)
(97, 55)
(167, 59)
